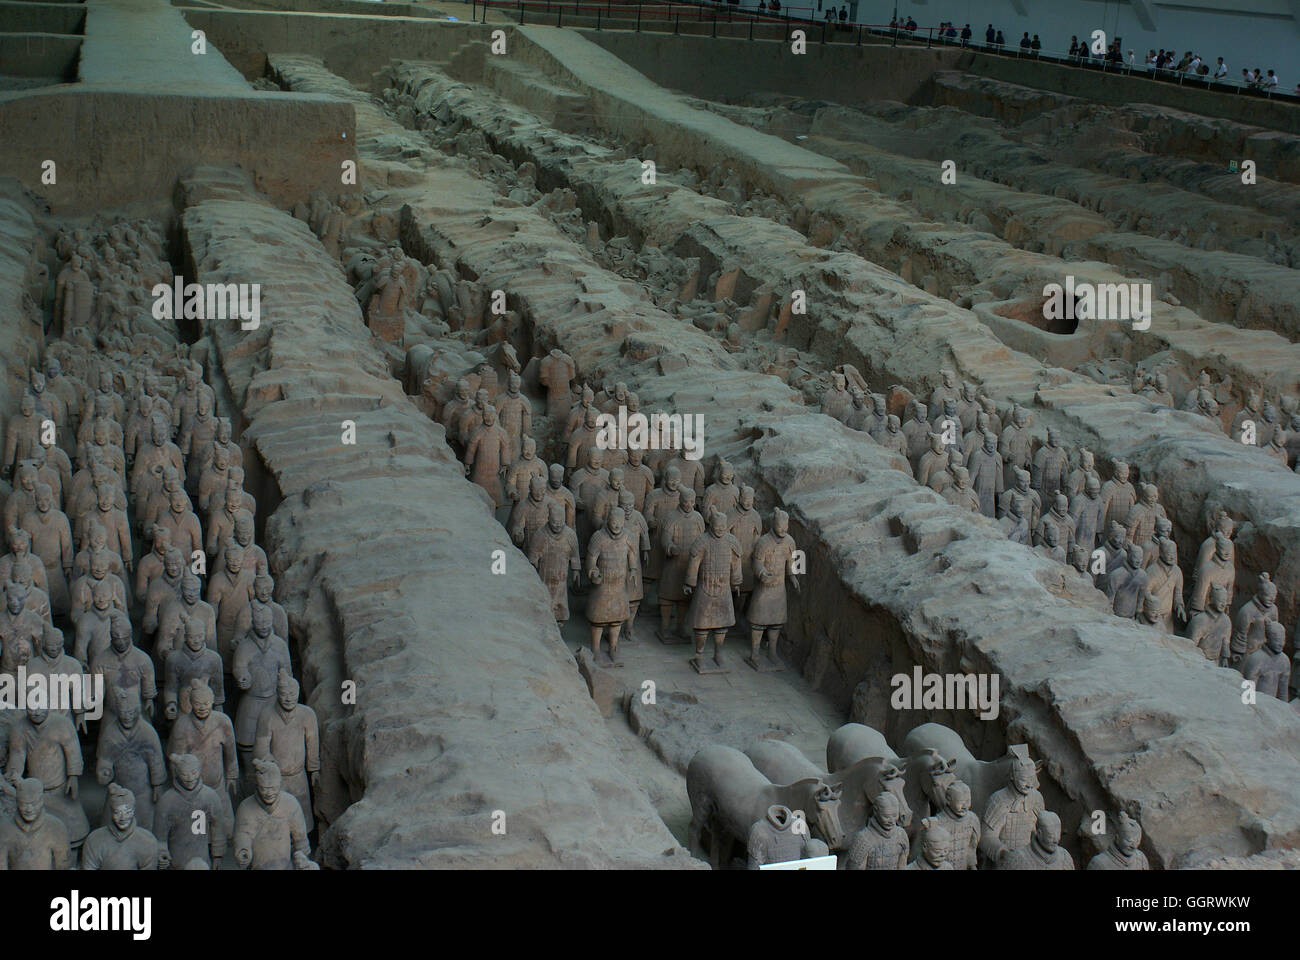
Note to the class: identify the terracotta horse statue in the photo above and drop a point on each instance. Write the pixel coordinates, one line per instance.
(728, 795)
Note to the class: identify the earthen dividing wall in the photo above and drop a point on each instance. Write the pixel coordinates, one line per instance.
(466, 700)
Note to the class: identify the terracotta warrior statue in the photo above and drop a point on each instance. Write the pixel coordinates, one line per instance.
(1211, 628)
(1051, 463)
(638, 534)
(1031, 506)
(556, 373)
(836, 401)
(1252, 619)
(52, 545)
(659, 506)
(44, 745)
(986, 473)
(121, 844)
(777, 839)
(962, 825)
(130, 755)
(917, 433)
(723, 494)
(183, 836)
(611, 564)
(270, 830)
(882, 843)
(772, 562)
(1165, 582)
(487, 456)
(1011, 813)
(1016, 445)
(553, 550)
(523, 469)
(1141, 520)
(210, 736)
(259, 658)
(192, 660)
(746, 526)
(1269, 667)
(1089, 513)
(679, 530)
(1123, 853)
(289, 733)
(529, 514)
(515, 415)
(1126, 584)
(1218, 569)
(33, 839)
(936, 847)
(1044, 850)
(1118, 495)
(712, 576)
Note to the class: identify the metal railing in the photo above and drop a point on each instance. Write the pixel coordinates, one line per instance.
(658, 15)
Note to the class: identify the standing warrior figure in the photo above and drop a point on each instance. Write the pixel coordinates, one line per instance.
(1252, 619)
(962, 825)
(32, 840)
(122, 844)
(1217, 569)
(130, 755)
(746, 526)
(1051, 464)
(638, 534)
(210, 736)
(1118, 495)
(679, 530)
(1268, 668)
(553, 550)
(1141, 519)
(555, 373)
(1165, 581)
(515, 415)
(986, 474)
(1089, 512)
(1012, 811)
(487, 456)
(1123, 853)
(882, 843)
(1015, 445)
(522, 470)
(289, 733)
(712, 575)
(259, 658)
(44, 745)
(270, 831)
(1044, 851)
(772, 563)
(611, 564)
(936, 849)
(836, 401)
(1211, 629)
(174, 820)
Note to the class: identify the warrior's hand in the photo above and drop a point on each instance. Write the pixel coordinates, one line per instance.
(594, 576)
(687, 591)
(232, 784)
(71, 788)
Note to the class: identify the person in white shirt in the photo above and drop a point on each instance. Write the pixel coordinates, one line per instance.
(1221, 70)
(1131, 60)
(1272, 80)
(1151, 58)
(1194, 65)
